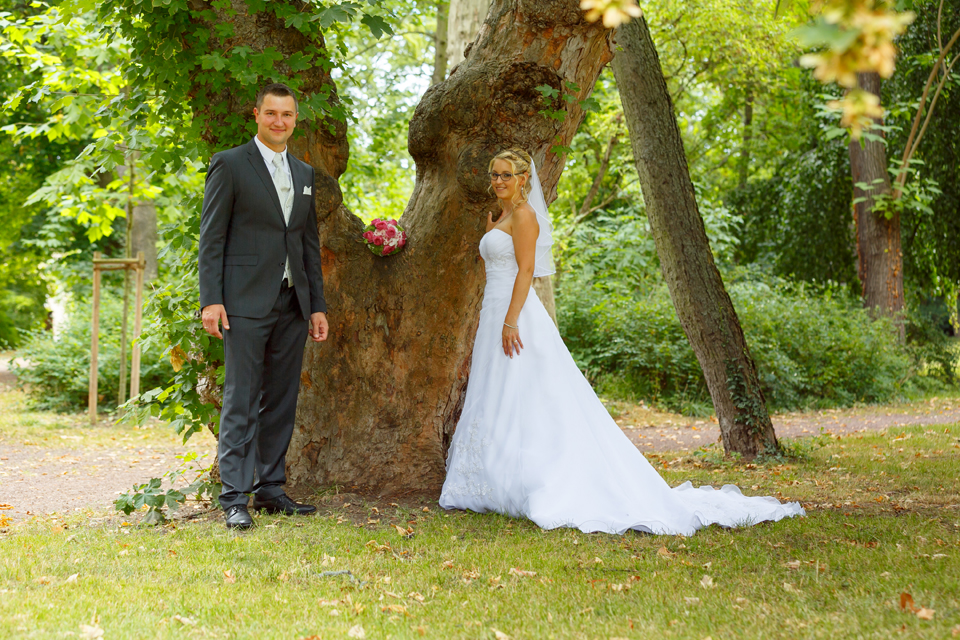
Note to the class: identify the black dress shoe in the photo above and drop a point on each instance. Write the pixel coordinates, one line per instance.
(238, 517)
(282, 504)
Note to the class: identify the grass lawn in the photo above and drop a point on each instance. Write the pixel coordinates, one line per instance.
(883, 519)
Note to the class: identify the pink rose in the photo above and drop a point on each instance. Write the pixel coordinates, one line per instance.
(380, 225)
(387, 251)
(403, 240)
(368, 236)
(393, 222)
(378, 241)
(391, 232)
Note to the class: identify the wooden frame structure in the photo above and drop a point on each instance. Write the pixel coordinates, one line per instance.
(138, 264)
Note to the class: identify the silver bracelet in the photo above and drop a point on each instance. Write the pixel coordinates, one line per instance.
(509, 325)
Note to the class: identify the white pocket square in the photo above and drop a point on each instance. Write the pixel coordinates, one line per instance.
(308, 191)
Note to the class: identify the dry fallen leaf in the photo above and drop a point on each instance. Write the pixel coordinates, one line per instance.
(906, 603)
(500, 635)
(706, 582)
(356, 632)
(447, 564)
(662, 551)
(394, 608)
(228, 577)
(184, 620)
(522, 573)
(90, 631)
(72, 578)
(793, 564)
(925, 614)
(692, 600)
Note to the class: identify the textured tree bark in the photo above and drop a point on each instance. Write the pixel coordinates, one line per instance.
(878, 238)
(380, 399)
(699, 297)
(440, 43)
(465, 19)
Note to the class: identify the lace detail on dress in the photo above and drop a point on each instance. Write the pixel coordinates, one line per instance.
(502, 261)
(497, 250)
(467, 459)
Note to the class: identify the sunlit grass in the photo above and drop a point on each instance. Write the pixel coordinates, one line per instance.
(22, 426)
(882, 520)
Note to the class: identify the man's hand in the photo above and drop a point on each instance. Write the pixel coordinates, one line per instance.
(213, 315)
(318, 326)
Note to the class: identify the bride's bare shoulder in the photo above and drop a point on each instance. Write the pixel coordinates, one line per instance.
(525, 216)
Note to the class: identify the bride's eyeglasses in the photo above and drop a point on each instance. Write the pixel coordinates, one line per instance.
(505, 176)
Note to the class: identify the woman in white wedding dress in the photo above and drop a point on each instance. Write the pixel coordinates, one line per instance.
(534, 440)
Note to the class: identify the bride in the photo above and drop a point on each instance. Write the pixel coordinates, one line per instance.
(534, 440)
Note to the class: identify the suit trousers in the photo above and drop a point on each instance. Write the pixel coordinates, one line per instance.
(262, 360)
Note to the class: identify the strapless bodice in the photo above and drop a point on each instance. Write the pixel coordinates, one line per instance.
(496, 249)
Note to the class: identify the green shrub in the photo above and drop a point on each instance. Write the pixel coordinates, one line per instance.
(56, 375)
(813, 348)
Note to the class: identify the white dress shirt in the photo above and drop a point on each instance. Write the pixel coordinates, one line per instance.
(268, 156)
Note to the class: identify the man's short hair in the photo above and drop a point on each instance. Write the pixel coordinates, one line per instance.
(279, 90)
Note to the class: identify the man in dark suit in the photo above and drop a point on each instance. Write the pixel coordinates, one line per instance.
(260, 278)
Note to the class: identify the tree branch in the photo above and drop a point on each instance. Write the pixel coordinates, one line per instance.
(913, 140)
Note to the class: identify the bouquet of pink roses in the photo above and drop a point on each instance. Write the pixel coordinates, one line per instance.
(384, 237)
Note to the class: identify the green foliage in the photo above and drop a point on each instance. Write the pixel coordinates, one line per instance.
(797, 223)
(174, 328)
(57, 370)
(812, 348)
(161, 502)
(930, 342)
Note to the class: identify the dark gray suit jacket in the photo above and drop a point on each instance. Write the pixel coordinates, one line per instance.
(244, 240)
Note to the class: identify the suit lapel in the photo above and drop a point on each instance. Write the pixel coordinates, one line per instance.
(260, 167)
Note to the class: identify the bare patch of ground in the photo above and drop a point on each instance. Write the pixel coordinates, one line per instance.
(652, 431)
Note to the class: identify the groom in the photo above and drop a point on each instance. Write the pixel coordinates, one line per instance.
(260, 278)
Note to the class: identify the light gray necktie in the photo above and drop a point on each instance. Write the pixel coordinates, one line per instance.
(285, 191)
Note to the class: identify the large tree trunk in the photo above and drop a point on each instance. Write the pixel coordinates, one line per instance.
(702, 304)
(380, 399)
(465, 19)
(878, 237)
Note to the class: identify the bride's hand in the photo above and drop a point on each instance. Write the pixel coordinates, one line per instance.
(511, 341)
(490, 222)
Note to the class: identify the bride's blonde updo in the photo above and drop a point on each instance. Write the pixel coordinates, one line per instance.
(520, 161)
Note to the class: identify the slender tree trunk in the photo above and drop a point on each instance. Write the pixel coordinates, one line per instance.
(466, 16)
(379, 400)
(702, 304)
(440, 43)
(878, 237)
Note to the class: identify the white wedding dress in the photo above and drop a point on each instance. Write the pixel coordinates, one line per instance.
(534, 440)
